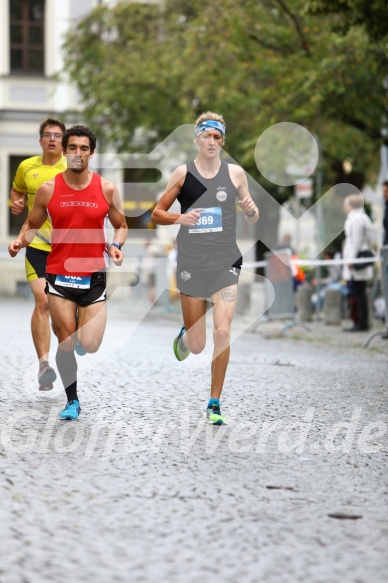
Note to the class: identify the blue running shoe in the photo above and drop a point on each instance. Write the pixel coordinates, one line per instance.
(71, 411)
(180, 350)
(80, 350)
(213, 413)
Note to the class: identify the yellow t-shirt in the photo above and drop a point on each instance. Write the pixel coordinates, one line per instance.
(29, 176)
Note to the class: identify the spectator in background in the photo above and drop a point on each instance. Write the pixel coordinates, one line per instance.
(358, 237)
(298, 275)
(149, 265)
(172, 257)
(285, 243)
(332, 281)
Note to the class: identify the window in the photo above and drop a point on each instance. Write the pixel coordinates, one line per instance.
(27, 36)
(15, 221)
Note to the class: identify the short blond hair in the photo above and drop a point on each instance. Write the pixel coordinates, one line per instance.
(355, 201)
(210, 115)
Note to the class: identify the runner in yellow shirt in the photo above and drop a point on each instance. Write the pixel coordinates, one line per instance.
(30, 174)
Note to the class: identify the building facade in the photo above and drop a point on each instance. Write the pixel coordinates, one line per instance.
(31, 34)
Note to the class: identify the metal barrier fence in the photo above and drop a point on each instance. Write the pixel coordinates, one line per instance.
(384, 282)
(384, 278)
(278, 274)
(277, 271)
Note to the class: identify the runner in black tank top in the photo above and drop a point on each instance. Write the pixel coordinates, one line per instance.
(209, 260)
(212, 243)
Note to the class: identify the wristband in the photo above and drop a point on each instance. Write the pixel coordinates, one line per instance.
(116, 245)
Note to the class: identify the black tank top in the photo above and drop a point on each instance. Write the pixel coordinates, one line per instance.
(212, 242)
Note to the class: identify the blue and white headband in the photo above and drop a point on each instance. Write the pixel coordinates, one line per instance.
(209, 124)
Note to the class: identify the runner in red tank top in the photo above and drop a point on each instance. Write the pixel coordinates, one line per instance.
(79, 218)
(79, 203)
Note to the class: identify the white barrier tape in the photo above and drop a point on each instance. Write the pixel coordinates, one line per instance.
(317, 262)
(250, 264)
(254, 264)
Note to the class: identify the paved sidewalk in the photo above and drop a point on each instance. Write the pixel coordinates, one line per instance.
(140, 489)
(331, 335)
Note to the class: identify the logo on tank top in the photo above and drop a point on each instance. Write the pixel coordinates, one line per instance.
(221, 195)
(83, 203)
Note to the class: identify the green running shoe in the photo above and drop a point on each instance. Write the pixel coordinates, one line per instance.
(213, 413)
(180, 350)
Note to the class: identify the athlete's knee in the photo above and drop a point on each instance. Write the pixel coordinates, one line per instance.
(41, 304)
(221, 333)
(65, 342)
(91, 348)
(91, 344)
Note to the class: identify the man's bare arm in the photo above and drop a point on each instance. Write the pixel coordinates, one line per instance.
(116, 212)
(246, 203)
(161, 214)
(117, 219)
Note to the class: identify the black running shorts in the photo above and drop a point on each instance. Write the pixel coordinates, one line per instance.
(35, 263)
(203, 283)
(74, 288)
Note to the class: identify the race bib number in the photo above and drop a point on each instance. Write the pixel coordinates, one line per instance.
(74, 281)
(210, 221)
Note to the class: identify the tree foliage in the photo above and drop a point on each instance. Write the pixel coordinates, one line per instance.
(369, 14)
(156, 66)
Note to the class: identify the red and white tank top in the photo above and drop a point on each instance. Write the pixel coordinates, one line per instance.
(78, 239)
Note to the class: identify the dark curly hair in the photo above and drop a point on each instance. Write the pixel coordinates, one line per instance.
(79, 130)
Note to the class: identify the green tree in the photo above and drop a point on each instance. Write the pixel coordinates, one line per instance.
(156, 66)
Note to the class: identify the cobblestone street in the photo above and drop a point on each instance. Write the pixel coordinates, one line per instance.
(141, 489)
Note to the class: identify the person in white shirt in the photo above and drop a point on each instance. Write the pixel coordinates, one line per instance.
(358, 237)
